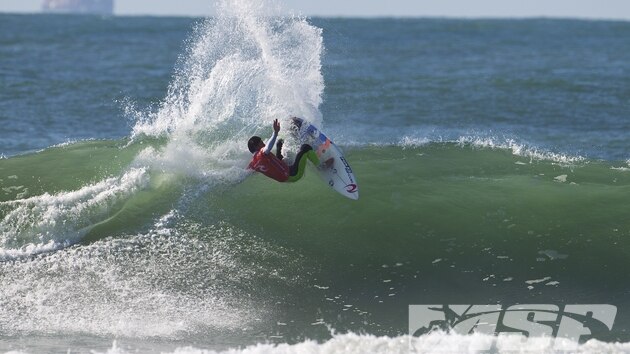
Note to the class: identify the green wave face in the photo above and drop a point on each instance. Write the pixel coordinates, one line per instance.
(439, 190)
(446, 190)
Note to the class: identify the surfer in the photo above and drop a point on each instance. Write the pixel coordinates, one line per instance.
(272, 165)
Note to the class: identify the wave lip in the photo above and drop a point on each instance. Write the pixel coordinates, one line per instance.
(515, 147)
(518, 149)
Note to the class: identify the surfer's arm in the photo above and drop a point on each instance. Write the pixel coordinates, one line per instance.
(270, 143)
(272, 140)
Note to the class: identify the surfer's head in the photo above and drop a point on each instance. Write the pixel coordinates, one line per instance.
(254, 144)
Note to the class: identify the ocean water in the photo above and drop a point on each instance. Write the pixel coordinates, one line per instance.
(492, 156)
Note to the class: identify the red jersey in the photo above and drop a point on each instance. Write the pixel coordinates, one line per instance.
(270, 166)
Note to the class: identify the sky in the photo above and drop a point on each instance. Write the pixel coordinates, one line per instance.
(606, 9)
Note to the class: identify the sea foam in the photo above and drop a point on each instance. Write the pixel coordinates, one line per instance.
(435, 342)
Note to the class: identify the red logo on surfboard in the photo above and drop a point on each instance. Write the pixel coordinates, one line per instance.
(351, 188)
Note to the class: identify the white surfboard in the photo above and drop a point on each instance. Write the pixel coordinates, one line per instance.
(337, 174)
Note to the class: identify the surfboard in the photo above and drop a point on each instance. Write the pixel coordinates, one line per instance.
(338, 173)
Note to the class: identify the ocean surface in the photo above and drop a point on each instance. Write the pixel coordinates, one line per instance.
(492, 157)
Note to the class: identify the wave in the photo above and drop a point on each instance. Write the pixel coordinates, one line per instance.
(48, 211)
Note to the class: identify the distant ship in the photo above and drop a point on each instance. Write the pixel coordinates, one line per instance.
(101, 7)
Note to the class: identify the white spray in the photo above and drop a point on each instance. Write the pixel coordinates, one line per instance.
(243, 68)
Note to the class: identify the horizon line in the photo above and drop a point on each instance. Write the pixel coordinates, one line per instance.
(447, 17)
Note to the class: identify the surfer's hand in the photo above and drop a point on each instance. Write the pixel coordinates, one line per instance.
(276, 126)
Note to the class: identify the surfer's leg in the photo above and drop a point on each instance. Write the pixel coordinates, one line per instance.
(297, 170)
(293, 170)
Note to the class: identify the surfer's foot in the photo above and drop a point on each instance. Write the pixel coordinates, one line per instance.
(327, 164)
(279, 149)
